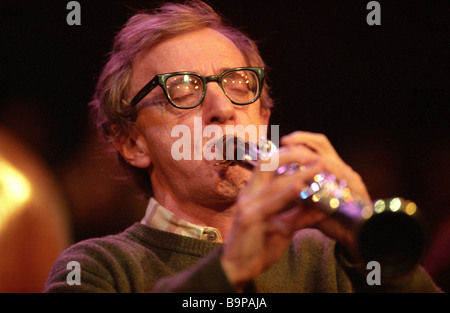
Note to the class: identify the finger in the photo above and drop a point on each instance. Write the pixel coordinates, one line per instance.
(298, 154)
(297, 218)
(278, 193)
(332, 161)
(337, 231)
(342, 171)
(316, 141)
(286, 155)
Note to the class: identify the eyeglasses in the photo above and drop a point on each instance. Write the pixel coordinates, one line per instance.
(186, 90)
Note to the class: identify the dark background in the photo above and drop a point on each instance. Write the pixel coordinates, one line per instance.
(380, 94)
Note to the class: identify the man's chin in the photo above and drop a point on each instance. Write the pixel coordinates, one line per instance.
(232, 181)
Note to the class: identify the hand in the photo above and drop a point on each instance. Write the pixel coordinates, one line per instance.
(320, 144)
(267, 213)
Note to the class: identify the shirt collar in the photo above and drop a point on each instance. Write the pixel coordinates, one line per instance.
(157, 216)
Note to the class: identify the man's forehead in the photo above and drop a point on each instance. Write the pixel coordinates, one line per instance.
(200, 50)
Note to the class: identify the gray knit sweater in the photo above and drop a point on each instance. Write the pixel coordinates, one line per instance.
(143, 259)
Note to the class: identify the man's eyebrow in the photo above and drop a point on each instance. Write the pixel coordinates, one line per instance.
(223, 69)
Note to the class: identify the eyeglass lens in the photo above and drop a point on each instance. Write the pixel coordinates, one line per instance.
(241, 86)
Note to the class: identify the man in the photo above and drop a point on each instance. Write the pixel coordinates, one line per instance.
(208, 228)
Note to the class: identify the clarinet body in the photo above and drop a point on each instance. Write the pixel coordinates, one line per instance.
(388, 231)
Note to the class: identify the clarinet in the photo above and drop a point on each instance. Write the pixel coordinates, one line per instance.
(389, 231)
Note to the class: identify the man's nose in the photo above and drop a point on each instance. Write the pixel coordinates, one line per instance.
(217, 108)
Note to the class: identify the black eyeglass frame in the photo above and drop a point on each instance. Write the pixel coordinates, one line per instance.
(161, 79)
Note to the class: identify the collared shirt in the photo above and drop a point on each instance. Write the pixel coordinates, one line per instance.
(159, 217)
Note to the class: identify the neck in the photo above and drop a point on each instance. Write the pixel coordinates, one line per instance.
(219, 215)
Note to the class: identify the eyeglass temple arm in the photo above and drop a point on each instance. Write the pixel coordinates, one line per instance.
(144, 91)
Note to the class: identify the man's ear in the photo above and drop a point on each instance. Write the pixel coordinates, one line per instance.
(133, 148)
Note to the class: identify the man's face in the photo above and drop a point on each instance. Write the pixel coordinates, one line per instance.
(205, 52)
